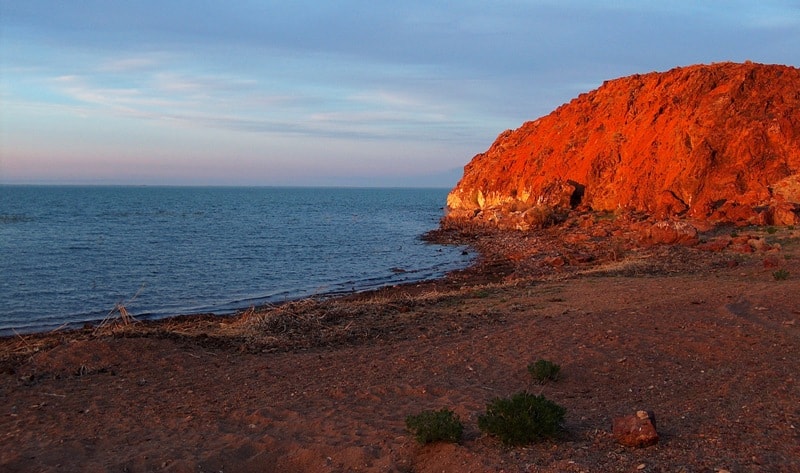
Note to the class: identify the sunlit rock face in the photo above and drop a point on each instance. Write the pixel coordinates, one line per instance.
(717, 142)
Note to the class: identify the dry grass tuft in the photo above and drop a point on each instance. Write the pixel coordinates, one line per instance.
(21, 347)
(122, 320)
(118, 318)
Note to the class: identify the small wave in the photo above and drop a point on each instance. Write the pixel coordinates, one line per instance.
(8, 219)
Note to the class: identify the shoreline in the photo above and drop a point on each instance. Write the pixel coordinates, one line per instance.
(232, 308)
(162, 252)
(503, 256)
(705, 339)
(470, 274)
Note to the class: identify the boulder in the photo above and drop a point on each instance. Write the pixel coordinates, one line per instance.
(715, 245)
(636, 430)
(555, 261)
(671, 232)
(774, 261)
(785, 213)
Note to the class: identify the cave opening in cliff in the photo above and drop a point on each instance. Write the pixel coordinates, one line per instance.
(577, 195)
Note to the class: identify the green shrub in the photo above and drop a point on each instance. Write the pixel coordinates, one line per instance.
(781, 275)
(772, 230)
(543, 371)
(435, 426)
(521, 419)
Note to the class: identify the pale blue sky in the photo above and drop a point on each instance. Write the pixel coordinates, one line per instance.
(350, 92)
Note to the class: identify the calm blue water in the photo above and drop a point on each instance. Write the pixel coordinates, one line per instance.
(68, 255)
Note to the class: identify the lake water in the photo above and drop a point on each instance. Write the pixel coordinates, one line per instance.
(69, 254)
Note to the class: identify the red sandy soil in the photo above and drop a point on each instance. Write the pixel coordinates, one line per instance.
(707, 340)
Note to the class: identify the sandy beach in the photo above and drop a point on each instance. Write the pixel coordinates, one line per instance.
(706, 340)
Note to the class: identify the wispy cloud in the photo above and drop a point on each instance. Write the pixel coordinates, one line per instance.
(131, 64)
(128, 100)
(173, 82)
(368, 107)
(437, 74)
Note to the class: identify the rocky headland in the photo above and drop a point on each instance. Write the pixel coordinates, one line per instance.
(710, 143)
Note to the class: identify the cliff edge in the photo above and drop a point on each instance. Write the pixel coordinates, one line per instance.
(718, 143)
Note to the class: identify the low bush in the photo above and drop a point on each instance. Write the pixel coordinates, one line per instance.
(435, 426)
(543, 371)
(522, 419)
(781, 275)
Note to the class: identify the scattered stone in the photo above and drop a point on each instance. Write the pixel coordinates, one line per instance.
(636, 430)
(581, 258)
(758, 244)
(741, 248)
(702, 226)
(774, 261)
(740, 214)
(671, 232)
(715, 245)
(575, 237)
(556, 261)
(586, 221)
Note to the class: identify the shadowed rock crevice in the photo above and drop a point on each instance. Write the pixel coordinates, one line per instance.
(577, 195)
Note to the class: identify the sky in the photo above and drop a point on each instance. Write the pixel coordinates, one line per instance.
(327, 93)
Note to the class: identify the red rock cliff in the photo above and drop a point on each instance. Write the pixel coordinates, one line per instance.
(716, 142)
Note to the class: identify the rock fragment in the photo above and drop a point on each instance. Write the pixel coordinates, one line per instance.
(636, 430)
(671, 232)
